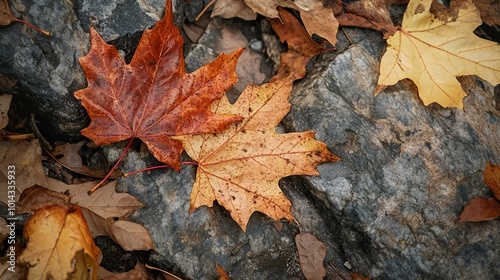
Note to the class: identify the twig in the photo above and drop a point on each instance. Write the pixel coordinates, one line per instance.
(204, 10)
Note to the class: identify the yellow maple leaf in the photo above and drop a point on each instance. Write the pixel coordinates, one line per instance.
(241, 167)
(432, 53)
(58, 241)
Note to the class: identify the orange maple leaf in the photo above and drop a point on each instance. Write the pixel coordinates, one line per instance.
(241, 167)
(153, 98)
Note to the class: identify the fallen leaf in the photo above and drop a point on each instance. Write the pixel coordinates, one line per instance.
(130, 236)
(104, 204)
(26, 158)
(153, 98)
(6, 16)
(4, 109)
(222, 273)
(371, 14)
(317, 19)
(233, 8)
(490, 11)
(241, 167)
(36, 197)
(301, 47)
(55, 235)
(480, 209)
(492, 179)
(312, 252)
(432, 52)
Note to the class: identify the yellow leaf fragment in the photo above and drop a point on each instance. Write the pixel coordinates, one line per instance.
(57, 237)
(432, 53)
(241, 167)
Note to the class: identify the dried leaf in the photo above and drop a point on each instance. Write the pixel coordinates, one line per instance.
(26, 157)
(222, 273)
(153, 98)
(103, 205)
(432, 52)
(490, 11)
(6, 16)
(105, 202)
(130, 236)
(36, 197)
(301, 47)
(233, 8)
(55, 235)
(368, 14)
(4, 109)
(317, 19)
(492, 179)
(241, 167)
(312, 252)
(480, 209)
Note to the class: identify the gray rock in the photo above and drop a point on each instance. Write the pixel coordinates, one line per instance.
(46, 68)
(406, 171)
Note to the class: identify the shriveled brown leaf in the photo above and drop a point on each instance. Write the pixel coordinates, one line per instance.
(492, 179)
(241, 167)
(68, 156)
(36, 197)
(55, 235)
(371, 14)
(317, 19)
(490, 11)
(312, 252)
(301, 47)
(130, 236)
(233, 8)
(480, 209)
(153, 98)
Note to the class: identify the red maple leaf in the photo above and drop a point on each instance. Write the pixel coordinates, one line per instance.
(153, 98)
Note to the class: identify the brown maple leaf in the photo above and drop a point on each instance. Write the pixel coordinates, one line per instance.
(301, 47)
(153, 98)
(371, 14)
(241, 167)
(483, 209)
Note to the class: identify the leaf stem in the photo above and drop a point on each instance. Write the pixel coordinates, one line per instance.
(44, 32)
(156, 167)
(96, 187)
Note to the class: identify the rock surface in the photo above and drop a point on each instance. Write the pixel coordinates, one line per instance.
(388, 208)
(406, 171)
